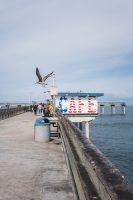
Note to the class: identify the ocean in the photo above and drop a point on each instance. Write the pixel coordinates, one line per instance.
(113, 135)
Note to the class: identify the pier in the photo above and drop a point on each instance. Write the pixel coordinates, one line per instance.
(112, 106)
(68, 167)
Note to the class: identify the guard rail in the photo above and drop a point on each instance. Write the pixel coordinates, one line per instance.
(6, 113)
(94, 176)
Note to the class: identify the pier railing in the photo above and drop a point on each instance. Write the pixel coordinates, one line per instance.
(94, 176)
(6, 113)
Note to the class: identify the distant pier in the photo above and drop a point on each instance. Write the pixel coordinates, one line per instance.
(112, 106)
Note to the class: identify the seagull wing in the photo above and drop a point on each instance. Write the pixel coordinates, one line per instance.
(47, 76)
(38, 74)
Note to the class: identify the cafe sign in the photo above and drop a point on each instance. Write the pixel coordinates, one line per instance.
(77, 104)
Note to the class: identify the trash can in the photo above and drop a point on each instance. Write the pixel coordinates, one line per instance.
(42, 129)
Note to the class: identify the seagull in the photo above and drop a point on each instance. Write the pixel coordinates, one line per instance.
(40, 79)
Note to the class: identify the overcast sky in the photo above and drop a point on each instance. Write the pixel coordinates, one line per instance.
(87, 43)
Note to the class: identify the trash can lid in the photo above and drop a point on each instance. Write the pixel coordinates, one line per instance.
(42, 121)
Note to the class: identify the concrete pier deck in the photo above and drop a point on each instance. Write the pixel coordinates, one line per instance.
(31, 170)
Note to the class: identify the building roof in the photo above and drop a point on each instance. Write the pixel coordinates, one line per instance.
(80, 94)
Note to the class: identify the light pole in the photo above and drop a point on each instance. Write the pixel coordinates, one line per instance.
(53, 93)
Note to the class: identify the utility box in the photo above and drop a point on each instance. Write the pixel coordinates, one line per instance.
(42, 129)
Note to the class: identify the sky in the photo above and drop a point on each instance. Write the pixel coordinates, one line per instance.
(87, 43)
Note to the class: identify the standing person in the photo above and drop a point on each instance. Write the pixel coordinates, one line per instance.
(47, 111)
(50, 108)
(44, 109)
(25, 109)
(35, 109)
(39, 109)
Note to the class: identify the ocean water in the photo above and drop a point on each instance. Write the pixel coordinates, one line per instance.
(113, 135)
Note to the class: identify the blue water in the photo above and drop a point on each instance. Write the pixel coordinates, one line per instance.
(113, 135)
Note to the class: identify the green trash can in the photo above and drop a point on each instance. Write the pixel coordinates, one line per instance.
(42, 130)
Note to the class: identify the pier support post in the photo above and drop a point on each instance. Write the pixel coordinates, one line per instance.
(87, 134)
(81, 126)
(78, 124)
(102, 109)
(123, 109)
(112, 109)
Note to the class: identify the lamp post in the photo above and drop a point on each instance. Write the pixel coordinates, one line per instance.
(53, 93)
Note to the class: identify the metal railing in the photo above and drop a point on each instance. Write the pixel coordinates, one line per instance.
(6, 113)
(94, 176)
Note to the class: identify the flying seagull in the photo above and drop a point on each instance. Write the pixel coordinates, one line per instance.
(40, 79)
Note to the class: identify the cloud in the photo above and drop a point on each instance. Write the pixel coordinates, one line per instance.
(89, 45)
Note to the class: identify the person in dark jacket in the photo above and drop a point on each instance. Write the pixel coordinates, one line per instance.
(35, 109)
